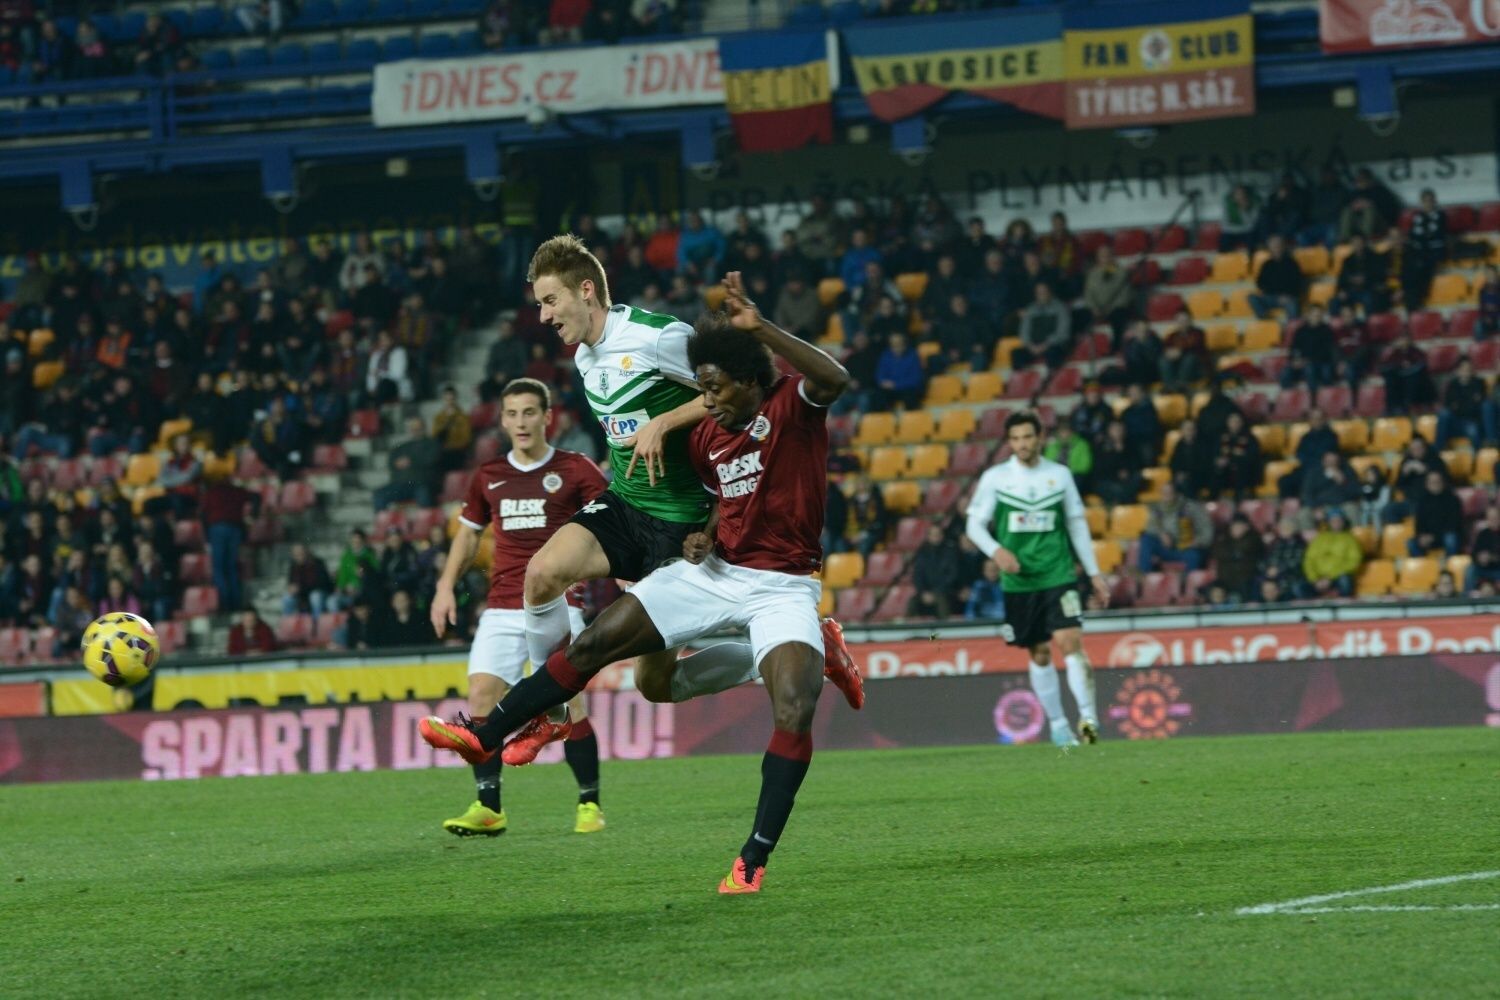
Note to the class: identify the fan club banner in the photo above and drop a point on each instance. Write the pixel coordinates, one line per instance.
(1144, 64)
(779, 88)
(1368, 25)
(479, 88)
(1156, 703)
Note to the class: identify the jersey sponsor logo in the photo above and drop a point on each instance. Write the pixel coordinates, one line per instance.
(522, 515)
(1031, 521)
(761, 428)
(1071, 606)
(626, 362)
(620, 426)
(740, 476)
(552, 482)
(495, 486)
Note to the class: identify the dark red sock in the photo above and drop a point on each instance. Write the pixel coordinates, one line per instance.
(781, 772)
(544, 689)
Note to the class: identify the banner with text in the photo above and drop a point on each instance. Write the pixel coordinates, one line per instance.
(479, 88)
(1152, 63)
(1371, 25)
(779, 88)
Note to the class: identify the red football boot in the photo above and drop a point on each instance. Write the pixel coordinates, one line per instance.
(526, 744)
(738, 882)
(457, 735)
(838, 665)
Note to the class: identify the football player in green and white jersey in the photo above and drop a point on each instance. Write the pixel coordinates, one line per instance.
(635, 374)
(1027, 516)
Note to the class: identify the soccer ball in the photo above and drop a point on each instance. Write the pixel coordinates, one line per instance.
(120, 649)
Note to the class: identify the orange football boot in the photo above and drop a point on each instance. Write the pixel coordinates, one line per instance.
(457, 735)
(838, 665)
(737, 883)
(526, 744)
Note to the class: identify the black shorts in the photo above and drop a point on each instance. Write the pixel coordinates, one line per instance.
(1032, 618)
(634, 542)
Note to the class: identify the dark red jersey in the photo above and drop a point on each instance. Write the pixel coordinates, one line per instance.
(526, 504)
(771, 477)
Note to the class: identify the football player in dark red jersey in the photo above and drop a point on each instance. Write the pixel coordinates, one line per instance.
(525, 495)
(763, 454)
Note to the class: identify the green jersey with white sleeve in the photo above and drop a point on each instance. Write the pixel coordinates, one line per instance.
(1035, 512)
(639, 370)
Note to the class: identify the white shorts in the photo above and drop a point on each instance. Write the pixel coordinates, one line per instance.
(499, 647)
(685, 602)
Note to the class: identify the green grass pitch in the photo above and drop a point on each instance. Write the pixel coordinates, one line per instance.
(1114, 870)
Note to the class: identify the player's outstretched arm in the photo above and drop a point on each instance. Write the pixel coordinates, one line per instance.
(977, 522)
(826, 379)
(444, 610)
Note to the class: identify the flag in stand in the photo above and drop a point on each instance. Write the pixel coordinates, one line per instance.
(779, 88)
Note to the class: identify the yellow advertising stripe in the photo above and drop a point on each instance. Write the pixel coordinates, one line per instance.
(964, 69)
(1220, 43)
(785, 88)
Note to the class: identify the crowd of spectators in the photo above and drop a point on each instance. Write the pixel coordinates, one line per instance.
(508, 24)
(36, 47)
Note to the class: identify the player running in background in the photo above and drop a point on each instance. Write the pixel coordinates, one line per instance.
(526, 495)
(1024, 514)
(634, 370)
(752, 567)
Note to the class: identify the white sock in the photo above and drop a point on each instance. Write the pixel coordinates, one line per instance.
(1081, 683)
(1048, 692)
(718, 668)
(547, 625)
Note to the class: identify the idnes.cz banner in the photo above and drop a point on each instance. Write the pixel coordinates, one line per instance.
(1366, 25)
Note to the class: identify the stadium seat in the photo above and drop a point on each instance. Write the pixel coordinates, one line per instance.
(192, 568)
(1376, 578)
(1291, 404)
(928, 461)
(68, 474)
(1098, 519)
(1207, 237)
(1449, 290)
(1425, 325)
(855, 604)
(1391, 434)
(1262, 335)
(829, 289)
(199, 601)
(288, 54)
(1189, 271)
(1361, 462)
(992, 424)
(1320, 293)
(843, 569)
(297, 496)
(1145, 273)
(45, 373)
(1092, 346)
(875, 428)
(1108, 554)
(911, 285)
(983, 387)
(1237, 305)
(883, 569)
(251, 57)
(1368, 537)
(1459, 566)
(1486, 353)
(1129, 242)
(1460, 463)
(970, 458)
(328, 623)
(1194, 584)
(1384, 327)
(487, 448)
(364, 423)
(38, 341)
(1171, 239)
(901, 497)
(826, 606)
(944, 389)
(1370, 402)
(1275, 469)
(1426, 426)
(142, 469)
(1004, 348)
(438, 43)
(914, 427)
(1160, 590)
(1443, 358)
(330, 458)
(1484, 465)
(1154, 477)
(1262, 513)
(1335, 400)
(295, 630)
(1066, 382)
(840, 429)
(1489, 217)
(894, 604)
(1354, 435)
(1171, 408)
(887, 462)
(1417, 577)
(1161, 307)
(1231, 267)
(955, 425)
(942, 497)
(1393, 539)
(398, 47)
(909, 535)
(927, 350)
(1223, 337)
(1023, 385)
(1313, 261)
(1206, 303)
(1127, 520)
(362, 50)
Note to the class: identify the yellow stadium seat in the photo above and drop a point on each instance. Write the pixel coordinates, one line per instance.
(825, 603)
(1271, 484)
(915, 323)
(1257, 262)
(1109, 555)
(928, 461)
(41, 338)
(1359, 463)
(1205, 303)
(1320, 293)
(713, 296)
(1169, 444)
(1238, 304)
(875, 428)
(1426, 426)
(1098, 520)
(218, 466)
(944, 389)
(1484, 465)
(1354, 435)
(1449, 290)
(888, 462)
(1393, 539)
(829, 289)
(1272, 438)
(1459, 566)
(1262, 335)
(142, 469)
(170, 429)
(983, 387)
(926, 349)
(1004, 348)
(1294, 435)
(139, 498)
(833, 333)
(1340, 253)
(843, 569)
(901, 496)
(1376, 578)
(1127, 520)
(955, 425)
(1230, 267)
(46, 373)
(1171, 409)
(1118, 404)
(1222, 337)
(1369, 538)
(1460, 463)
(912, 285)
(1313, 261)
(913, 427)
(1417, 576)
(1391, 434)
(1198, 402)
(1154, 476)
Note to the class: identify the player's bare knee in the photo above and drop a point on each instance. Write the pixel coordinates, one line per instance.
(543, 582)
(1041, 655)
(793, 711)
(654, 685)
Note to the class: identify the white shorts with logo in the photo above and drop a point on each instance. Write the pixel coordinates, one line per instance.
(685, 602)
(499, 647)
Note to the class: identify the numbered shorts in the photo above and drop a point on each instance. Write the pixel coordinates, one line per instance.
(685, 602)
(499, 647)
(1032, 618)
(634, 541)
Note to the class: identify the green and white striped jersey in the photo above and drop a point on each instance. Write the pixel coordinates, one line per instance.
(1035, 512)
(639, 370)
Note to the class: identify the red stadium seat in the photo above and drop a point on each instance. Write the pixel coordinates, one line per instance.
(68, 474)
(328, 623)
(1384, 327)
(1474, 501)
(40, 641)
(1370, 402)
(424, 519)
(1425, 325)
(1090, 242)
(1129, 242)
(1162, 307)
(297, 496)
(1257, 406)
(883, 569)
(1486, 355)
(192, 567)
(1262, 513)
(1461, 218)
(894, 604)
(484, 417)
(942, 496)
(970, 457)
(455, 485)
(1208, 237)
(15, 646)
(108, 467)
(1190, 271)
(910, 533)
(391, 517)
(1145, 273)
(188, 534)
(1158, 590)
(840, 429)
(199, 601)
(1023, 384)
(1171, 239)
(295, 630)
(364, 423)
(1121, 591)
(330, 458)
(1489, 217)
(1196, 581)
(250, 466)
(1443, 358)
(487, 448)
(1462, 323)
(265, 530)
(1220, 512)
(1091, 347)
(1335, 400)
(1067, 382)
(854, 604)
(1291, 405)
(992, 424)
(1404, 219)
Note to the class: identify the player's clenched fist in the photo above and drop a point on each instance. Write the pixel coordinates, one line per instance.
(696, 547)
(1007, 561)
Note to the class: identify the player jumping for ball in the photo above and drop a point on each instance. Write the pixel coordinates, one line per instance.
(526, 495)
(634, 369)
(1026, 515)
(753, 566)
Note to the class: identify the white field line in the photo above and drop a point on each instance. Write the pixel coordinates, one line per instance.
(1392, 909)
(1305, 904)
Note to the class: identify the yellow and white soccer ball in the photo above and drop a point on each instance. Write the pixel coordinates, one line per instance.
(120, 649)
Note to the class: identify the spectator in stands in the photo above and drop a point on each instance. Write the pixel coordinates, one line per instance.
(357, 562)
(355, 632)
(606, 22)
(414, 467)
(935, 576)
(1445, 589)
(965, 338)
(564, 22)
(899, 378)
(506, 360)
(153, 582)
(942, 285)
(1178, 530)
(1362, 278)
(1484, 555)
(94, 57)
(820, 233)
(1325, 206)
(398, 561)
(1117, 467)
(1185, 358)
(1463, 404)
(651, 299)
(1330, 484)
(860, 253)
(835, 519)
(10, 54)
(250, 636)
(797, 308)
(1408, 384)
(1429, 237)
(388, 374)
(1092, 415)
(1279, 282)
(1237, 465)
(862, 363)
(864, 305)
(1066, 448)
(989, 291)
(1142, 352)
(225, 508)
(16, 390)
(1187, 461)
(73, 571)
(1333, 558)
(869, 518)
(684, 301)
(1439, 518)
(1489, 304)
(570, 435)
(1281, 574)
(404, 626)
(1374, 495)
(1411, 477)
(1285, 212)
(451, 428)
(279, 441)
(1371, 209)
(1046, 330)
(1142, 425)
(118, 597)
(1318, 440)
(986, 597)
(72, 618)
(1490, 415)
(32, 587)
(1241, 221)
(1312, 358)
(180, 475)
(53, 56)
(1237, 555)
(700, 249)
(739, 240)
(1060, 251)
(1023, 280)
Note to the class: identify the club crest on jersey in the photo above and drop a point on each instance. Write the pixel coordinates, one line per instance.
(761, 428)
(552, 482)
(626, 362)
(603, 382)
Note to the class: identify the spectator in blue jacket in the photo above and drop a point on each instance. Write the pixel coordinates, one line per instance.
(986, 599)
(898, 375)
(700, 248)
(860, 253)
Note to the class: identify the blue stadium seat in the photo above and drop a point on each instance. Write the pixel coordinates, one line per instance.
(68, 24)
(807, 14)
(315, 13)
(179, 18)
(129, 27)
(351, 11)
(288, 54)
(391, 10)
(398, 47)
(323, 52)
(436, 44)
(251, 55)
(467, 41)
(206, 22)
(216, 59)
(108, 25)
(7, 76)
(365, 50)
(463, 8)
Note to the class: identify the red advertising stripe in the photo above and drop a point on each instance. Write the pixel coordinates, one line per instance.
(1372, 25)
(1160, 99)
